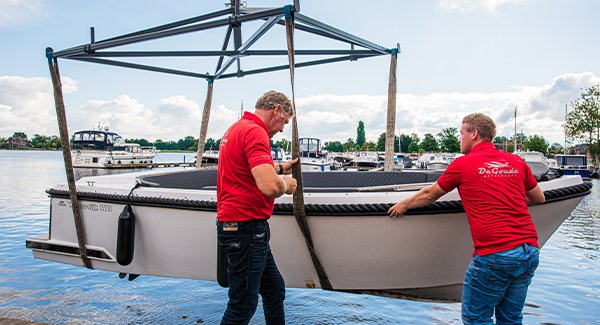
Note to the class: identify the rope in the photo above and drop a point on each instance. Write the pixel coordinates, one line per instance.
(66, 150)
(299, 211)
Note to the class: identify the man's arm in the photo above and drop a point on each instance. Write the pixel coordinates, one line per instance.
(285, 167)
(424, 197)
(270, 184)
(535, 196)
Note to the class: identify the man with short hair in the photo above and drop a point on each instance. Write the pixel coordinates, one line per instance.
(495, 188)
(247, 185)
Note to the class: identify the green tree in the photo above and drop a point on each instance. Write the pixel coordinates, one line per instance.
(521, 138)
(142, 142)
(429, 143)
(39, 141)
(210, 144)
(349, 145)
(382, 139)
(369, 146)
(334, 146)
(186, 143)
(556, 148)
(53, 142)
(449, 140)
(501, 142)
(500, 139)
(283, 144)
(414, 145)
(536, 143)
(21, 135)
(404, 142)
(360, 133)
(583, 122)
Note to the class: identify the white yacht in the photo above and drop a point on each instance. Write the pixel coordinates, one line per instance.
(105, 149)
(312, 157)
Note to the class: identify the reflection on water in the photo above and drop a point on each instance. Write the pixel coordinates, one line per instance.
(565, 290)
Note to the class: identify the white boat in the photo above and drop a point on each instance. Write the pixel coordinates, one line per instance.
(573, 165)
(538, 164)
(367, 160)
(398, 161)
(312, 157)
(423, 255)
(104, 149)
(210, 157)
(278, 155)
(433, 161)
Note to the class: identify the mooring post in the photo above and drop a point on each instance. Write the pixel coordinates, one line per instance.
(66, 150)
(205, 118)
(391, 114)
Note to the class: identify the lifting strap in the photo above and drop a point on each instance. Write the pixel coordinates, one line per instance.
(299, 211)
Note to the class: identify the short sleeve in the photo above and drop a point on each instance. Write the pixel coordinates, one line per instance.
(451, 176)
(257, 147)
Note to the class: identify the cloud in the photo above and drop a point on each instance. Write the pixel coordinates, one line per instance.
(26, 104)
(15, 11)
(473, 5)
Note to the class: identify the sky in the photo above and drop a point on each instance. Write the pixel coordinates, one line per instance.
(457, 57)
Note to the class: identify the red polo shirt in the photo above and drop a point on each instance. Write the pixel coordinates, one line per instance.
(492, 186)
(245, 145)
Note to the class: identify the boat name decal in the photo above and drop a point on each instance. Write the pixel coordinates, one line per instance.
(95, 207)
(498, 169)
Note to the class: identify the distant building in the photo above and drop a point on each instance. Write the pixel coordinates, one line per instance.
(581, 149)
(18, 143)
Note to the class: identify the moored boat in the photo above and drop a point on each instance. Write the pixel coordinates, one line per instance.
(573, 165)
(104, 149)
(422, 255)
(313, 157)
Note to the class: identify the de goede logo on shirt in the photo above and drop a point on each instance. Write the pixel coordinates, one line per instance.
(497, 169)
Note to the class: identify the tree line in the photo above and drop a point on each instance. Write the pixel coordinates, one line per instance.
(582, 124)
(444, 141)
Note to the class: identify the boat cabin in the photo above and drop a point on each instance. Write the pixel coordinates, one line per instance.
(97, 140)
(310, 147)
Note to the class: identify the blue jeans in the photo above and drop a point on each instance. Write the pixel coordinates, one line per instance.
(251, 270)
(499, 282)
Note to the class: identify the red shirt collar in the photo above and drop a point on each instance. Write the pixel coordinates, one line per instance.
(486, 145)
(256, 119)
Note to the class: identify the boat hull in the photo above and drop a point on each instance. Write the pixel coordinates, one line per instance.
(421, 256)
(111, 159)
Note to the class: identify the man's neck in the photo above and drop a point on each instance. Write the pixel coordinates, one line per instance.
(262, 114)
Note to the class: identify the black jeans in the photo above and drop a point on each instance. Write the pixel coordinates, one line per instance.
(251, 270)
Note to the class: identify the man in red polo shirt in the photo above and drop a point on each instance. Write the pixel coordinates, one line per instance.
(247, 185)
(495, 188)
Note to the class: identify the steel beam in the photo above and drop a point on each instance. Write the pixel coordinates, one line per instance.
(141, 67)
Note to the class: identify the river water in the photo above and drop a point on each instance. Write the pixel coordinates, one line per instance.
(565, 290)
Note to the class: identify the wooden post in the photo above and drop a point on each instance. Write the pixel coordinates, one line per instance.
(391, 114)
(66, 150)
(299, 211)
(204, 126)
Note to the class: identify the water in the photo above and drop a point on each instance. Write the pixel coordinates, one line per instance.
(565, 290)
